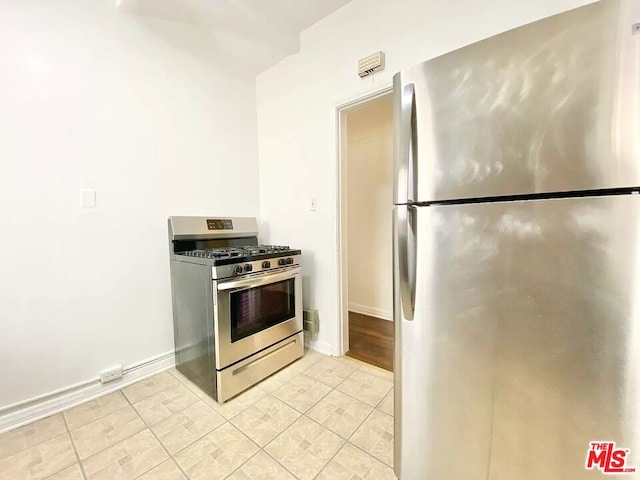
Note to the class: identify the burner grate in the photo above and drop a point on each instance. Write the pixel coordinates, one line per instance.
(216, 253)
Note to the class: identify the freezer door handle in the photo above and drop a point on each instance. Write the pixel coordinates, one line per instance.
(406, 225)
(406, 143)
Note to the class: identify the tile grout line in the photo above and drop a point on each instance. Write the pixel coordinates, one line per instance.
(113, 445)
(351, 396)
(302, 414)
(243, 463)
(148, 396)
(360, 448)
(263, 449)
(372, 456)
(129, 404)
(95, 419)
(348, 439)
(35, 444)
(212, 399)
(319, 400)
(159, 442)
(344, 441)
(53, 438)
(200, 437)
(356, 365)
(73, 445)
(278, 462)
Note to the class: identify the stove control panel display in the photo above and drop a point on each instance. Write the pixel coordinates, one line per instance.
(218, 224)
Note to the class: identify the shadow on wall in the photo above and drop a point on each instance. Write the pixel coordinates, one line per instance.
(308, 268)
(239, 44)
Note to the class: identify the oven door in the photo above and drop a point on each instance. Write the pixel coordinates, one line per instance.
(254, 312)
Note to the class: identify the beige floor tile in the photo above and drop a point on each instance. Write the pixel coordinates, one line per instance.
(261, 467)
(278, 379)
(310, 357)
(162, 405)
(187, 426)
(165, 471)
(149, 386)
(305, 448)
(386, 405)
(301, 392)
(352, 463)
(194, 388)
(184, 380)
(95, 409)
(39, 461)
(216, 455)
(354, 362)
(340, 413)
(375, 436)
(71, 473)
(107, 431)
(238, 404)
(330, 371)
(377, 371)
(127, 459)
(30, 435)
(265, 420)
(365, 387)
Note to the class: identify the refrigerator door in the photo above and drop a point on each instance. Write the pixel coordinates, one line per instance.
(524, 345)
(553, 106)
(445, 338)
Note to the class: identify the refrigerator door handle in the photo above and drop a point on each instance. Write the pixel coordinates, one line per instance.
(406, 144)
(406, 224)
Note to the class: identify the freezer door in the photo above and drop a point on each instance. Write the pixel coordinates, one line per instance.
(524, 345)
(553, 106)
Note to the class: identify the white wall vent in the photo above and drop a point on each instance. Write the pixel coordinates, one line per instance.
(371, 64)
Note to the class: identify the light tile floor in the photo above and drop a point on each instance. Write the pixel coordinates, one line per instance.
(320, 418)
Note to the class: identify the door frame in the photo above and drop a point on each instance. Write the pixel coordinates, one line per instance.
(341, 109)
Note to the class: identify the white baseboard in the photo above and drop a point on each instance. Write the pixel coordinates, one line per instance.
(318, 346)
(27, 411)
(371, 311)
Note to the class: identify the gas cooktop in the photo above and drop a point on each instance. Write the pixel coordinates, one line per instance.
(230, 246)
(249, 253)
(240, 252)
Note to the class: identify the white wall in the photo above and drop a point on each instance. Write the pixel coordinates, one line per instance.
(93, 98)
(369, 181)
(297, 120)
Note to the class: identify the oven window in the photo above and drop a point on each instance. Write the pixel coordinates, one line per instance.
(259, 308)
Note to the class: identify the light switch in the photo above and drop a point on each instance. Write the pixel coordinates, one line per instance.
(313, 204)
(88, 198)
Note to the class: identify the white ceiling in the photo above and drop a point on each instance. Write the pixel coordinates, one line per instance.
(262, 32)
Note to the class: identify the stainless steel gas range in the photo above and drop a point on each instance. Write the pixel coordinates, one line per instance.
(237, 305)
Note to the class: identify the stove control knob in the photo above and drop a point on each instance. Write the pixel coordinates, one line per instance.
(289, 261)
(282, 261)
(248, 267)
(238, 269)
(266, 264)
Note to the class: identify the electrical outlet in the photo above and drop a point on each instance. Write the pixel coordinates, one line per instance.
(111, 374)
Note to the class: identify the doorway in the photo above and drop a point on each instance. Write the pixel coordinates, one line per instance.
(366, 183)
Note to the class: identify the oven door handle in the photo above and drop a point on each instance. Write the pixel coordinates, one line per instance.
(259, 281)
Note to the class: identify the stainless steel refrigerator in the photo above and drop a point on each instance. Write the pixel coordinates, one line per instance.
(517, 252)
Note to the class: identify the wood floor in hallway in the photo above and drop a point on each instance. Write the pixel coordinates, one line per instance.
(371, 340)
